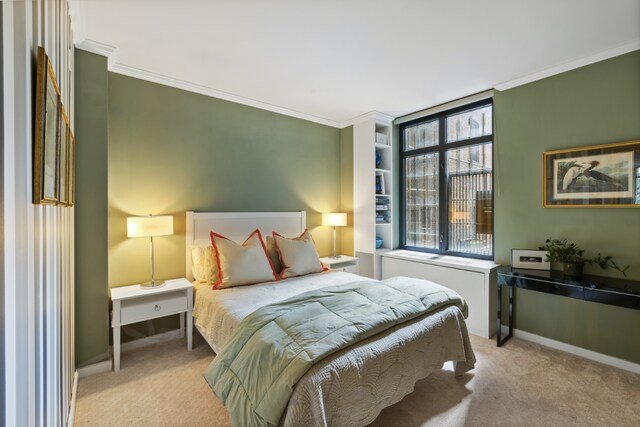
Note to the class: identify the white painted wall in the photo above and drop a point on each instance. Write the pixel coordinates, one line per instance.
(38, 240)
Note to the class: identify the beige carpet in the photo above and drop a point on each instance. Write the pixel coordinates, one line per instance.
(518, 384)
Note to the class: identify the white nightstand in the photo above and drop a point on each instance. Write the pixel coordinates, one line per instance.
(132, 304)
(345, 263)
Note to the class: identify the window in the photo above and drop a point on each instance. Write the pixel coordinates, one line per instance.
(446, 163)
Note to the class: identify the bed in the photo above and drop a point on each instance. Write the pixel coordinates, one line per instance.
(352, 385)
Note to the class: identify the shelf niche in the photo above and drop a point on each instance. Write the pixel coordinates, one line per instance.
(373, 191)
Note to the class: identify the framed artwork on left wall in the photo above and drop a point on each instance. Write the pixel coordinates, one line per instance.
(47, 134)
(600, 176)
(63, 160)
(71, 170)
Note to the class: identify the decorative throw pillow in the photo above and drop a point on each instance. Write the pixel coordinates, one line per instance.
(204, 265)
(244, 264)
(272, 250)
(298, 255)
(197, 263)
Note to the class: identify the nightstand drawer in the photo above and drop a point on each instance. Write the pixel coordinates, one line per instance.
(153, 306)
(347, 268)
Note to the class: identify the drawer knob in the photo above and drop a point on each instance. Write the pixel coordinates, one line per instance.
(157, 307)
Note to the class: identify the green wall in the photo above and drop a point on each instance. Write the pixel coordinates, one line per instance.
(596, 104)
(91, 247)
(170, 151)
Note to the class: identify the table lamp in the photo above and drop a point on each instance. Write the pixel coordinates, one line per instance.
(334, 220)
(150, 226)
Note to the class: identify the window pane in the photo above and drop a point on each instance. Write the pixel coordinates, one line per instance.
(422, 135)
(421, 201)
(470, 199)
(470, 124)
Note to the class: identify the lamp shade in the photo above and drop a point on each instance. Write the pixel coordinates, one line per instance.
(149, 226)
(334, 219)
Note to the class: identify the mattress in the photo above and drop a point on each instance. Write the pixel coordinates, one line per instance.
(351, 386)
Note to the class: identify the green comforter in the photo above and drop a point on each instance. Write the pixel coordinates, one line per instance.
(274, 347)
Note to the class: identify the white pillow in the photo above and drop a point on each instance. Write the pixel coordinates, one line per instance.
(298, 255)
(244, 264)
(203, 264)
(197, 262)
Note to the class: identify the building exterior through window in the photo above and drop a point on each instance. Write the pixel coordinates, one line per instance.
(447, 181)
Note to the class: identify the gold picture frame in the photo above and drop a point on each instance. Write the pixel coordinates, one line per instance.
(47, 133)
(598, 176)
(71, 170)
(63, 160)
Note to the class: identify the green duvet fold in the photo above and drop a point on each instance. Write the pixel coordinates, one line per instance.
(272, 348)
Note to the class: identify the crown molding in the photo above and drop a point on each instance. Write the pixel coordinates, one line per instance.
(203, 90)
(371, 115)
(485, 94)
(571, 65)
(96, 47)
(104, 49)
(113, 66)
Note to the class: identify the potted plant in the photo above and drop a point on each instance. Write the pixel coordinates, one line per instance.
(572, 259)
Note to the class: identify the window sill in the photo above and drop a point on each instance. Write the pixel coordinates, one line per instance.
(460, 263)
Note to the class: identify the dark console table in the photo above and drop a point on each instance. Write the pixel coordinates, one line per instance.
(605, 290)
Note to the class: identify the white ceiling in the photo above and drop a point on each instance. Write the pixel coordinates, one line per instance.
(330, 61)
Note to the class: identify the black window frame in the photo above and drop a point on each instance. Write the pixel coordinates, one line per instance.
(441, 148)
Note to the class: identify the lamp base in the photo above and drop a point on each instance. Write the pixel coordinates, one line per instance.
(152, 284)
(335, 256)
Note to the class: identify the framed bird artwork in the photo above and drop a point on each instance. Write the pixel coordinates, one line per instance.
(589, 177)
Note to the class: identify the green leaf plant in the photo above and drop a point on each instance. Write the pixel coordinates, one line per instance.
(560, 250)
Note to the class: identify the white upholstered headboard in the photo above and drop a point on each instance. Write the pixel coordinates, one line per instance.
(237, 226)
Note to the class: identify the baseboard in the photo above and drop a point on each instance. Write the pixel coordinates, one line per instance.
(95, 369)
(74, 394)
(572, 349)
(153, 339)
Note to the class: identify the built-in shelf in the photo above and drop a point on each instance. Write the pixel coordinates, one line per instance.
(373, 173)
